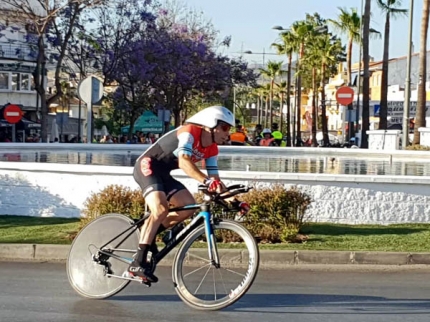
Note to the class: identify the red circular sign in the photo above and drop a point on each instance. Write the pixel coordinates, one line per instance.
(12, 113)
(345, 95)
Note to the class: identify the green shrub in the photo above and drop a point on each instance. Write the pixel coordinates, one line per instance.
(418, 147)
(279, 208)
(276, 214)
(114, 199)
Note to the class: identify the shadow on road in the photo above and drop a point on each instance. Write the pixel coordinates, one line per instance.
(262, 303)
(289, 303)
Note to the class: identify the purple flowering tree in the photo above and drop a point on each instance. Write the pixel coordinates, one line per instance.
(155, 64)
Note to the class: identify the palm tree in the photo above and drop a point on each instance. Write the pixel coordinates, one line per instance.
(327, 50)
(263, 91)
(312, 61)
(420, 118)
(366, 92)
(288, 46)
(303, 31)
(391, 10)
(274, 69)
(348, 23)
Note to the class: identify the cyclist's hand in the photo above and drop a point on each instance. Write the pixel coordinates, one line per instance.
(244, 208)
(214, 185)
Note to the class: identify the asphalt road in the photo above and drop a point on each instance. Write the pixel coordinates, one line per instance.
(41, 292)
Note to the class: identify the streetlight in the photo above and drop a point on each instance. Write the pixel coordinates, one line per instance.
(249, 52)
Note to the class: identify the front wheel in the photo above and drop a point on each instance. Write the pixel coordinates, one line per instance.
(202, 284)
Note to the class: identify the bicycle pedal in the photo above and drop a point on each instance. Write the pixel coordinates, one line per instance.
(128, 276)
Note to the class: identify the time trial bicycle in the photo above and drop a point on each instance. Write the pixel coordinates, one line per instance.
(204, 277)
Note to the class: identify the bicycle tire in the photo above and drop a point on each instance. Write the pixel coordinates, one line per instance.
(86, 276)
(243, 287)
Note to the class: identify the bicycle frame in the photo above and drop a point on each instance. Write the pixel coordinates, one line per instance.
(204, 215)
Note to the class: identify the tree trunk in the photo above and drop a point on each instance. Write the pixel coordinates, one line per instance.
(288, 121)
(365, 114)
(39, 78)
(299, 100)
(420, 118)
(314, 108)
(266, 112)
(271, 101)
(281, 115)
(258, 109)
(384, 85)
(349, 61)
(323, 109)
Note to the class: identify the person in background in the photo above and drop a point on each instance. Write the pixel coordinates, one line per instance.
(267, 139)
(257, 134)
(275, 131)
(239, 137)
(278, 138)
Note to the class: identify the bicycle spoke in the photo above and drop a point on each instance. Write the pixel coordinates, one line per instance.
(198, 287)
(222, 279)
(233, 272)
(213, 275)
(201, 258)
(196, 270)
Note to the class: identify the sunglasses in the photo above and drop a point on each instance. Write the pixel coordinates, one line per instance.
(225, 127)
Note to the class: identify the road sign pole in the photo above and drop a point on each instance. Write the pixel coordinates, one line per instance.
(89, 122)
(13, 133)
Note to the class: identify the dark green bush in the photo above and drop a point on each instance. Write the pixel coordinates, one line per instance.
(114, 199)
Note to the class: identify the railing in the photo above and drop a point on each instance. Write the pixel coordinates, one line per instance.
(25, 52)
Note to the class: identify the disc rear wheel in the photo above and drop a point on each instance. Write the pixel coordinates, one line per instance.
(88, 276)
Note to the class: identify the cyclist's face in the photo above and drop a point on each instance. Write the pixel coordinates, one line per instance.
(221, 133)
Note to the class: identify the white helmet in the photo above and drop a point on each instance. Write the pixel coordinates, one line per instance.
(266, 131)
(210, 117)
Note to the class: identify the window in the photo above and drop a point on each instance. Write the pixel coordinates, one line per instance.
(19, 82)
(16, 84)
(25, 82)
(4, 80)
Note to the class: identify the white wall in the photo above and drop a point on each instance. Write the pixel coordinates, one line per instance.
(37, 189)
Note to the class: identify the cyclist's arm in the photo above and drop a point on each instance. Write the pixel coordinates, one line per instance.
(211, 164)
(184, 153)
(190, 169)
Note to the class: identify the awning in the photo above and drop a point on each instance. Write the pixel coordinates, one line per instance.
(26, 124)
(4, 123)
(147, 122)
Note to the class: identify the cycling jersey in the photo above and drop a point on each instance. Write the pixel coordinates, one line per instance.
(185, 140)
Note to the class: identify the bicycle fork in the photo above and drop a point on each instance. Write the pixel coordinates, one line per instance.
(211, 240)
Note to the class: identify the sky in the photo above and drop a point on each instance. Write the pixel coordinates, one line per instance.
(250, 22)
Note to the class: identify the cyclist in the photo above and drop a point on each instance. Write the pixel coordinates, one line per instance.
(178, 149)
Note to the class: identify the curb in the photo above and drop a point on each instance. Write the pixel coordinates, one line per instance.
(268, 258)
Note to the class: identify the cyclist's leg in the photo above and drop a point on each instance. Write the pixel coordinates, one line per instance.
(178, 196)
(151, 181)
(181, 198)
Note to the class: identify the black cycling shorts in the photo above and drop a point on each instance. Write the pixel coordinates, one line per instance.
(152, 175)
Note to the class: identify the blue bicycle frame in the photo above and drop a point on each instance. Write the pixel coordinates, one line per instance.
(203, 216)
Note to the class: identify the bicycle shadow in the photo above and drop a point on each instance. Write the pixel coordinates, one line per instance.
(296, 303)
